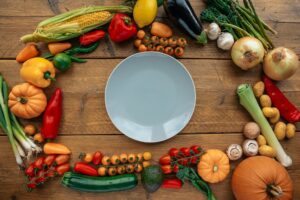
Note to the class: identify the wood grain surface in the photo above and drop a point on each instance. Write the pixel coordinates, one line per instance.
(216, 123)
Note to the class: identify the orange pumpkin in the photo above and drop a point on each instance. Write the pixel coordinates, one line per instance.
(261, 178)
(27, 101)
(214, 166)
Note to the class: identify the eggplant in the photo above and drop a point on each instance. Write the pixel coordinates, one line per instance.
(182, 13)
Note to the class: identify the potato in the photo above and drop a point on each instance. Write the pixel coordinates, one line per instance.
(265, 101)
(269, 112)
(30, 129)
(280, 130)
(290, 130)
(261, 140)
(266, 150)
(276, 118)
(258, 89)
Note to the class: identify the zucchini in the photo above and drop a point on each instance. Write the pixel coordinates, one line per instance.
(99, 184)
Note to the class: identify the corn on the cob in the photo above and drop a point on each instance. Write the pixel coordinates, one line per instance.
(73, 23)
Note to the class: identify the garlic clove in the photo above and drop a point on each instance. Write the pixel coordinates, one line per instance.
(225, 41)
(213, 31)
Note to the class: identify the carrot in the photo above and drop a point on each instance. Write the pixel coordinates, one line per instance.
(58, 47)
(161, 30)
(29, 51)
(56, 148)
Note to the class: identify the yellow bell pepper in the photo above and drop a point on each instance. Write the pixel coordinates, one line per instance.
(144, 12)
(38, 71)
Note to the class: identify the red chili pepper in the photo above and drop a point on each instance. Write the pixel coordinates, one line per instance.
(287, 110)
(185, 151)
(121, 28)
(173, 152)
(165, 160)
(172, 183)
(61, 169)
(167, 169)
(39, 163)
(91, 37)
(49, 160)
(97, 158)
(52, 116)
(196, 149)
(86, 169)
(30, 170)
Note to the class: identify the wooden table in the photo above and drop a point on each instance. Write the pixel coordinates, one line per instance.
(216, 123)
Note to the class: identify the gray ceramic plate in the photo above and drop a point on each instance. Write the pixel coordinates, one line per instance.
(150, 97)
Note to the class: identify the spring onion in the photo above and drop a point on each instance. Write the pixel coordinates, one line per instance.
(248, 101)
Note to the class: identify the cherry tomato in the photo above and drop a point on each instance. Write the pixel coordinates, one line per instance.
(173, 152)
(62, 159)
(61, 169)
(183, 161)
(40, 177)
(49, 160)
(175, 168)
(165, 160)
(30, 170)
(38, 164)
(194, 160)
(97, 158)
(167, 169)
(50, 173)
(185, 151)
(196, 149)
(31, 185)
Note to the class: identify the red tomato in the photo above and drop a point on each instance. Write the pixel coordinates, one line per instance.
(62, 159)
(61, 169)
(97, 158)
(167, 169)
(173, 152)
(38, 164)
(194, 160)
(49, 160)
(175, 168)
(30, 170)
(31, 185)
(183, 161)
(165, 160)
(40, 177)
(196, 149)
(185, 151)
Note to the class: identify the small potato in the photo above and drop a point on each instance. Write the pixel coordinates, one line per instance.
(265, 101)
(276, 118)
(269, 112)
(39, 138)
(261, 140)
(290, 130)
(30, 129)
(280, 130)
(258, 89)
(266, 150)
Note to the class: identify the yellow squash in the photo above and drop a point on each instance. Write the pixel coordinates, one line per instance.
(144, 12)
(38, 71)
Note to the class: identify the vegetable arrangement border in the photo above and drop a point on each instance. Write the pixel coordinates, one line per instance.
(235, 26)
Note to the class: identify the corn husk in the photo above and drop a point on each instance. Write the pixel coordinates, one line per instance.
(73, 23)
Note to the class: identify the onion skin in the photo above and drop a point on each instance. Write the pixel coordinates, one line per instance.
(247, 52)
(280, 63)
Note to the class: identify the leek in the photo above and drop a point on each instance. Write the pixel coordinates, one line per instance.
(249, 102)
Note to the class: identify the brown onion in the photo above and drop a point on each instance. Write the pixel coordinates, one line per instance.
(247, 52)
(280, 63)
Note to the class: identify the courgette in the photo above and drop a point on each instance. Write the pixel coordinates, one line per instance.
(99, 184)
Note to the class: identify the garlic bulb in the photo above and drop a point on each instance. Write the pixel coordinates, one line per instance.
(234, 151)
(225, 41)
(250, 147)
(213, 31)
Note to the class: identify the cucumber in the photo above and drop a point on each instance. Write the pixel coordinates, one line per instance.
(99, 184)
(152, 178)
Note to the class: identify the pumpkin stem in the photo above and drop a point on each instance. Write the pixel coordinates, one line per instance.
(274, 191)
(215, 168)
(22, 100)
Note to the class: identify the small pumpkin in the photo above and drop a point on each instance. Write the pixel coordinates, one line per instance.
(27, 101)
(213, 166)
(261, 178)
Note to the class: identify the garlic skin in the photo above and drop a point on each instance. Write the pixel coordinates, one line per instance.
(225, 41)
(234, 152)
(213, 31)
(250, 147)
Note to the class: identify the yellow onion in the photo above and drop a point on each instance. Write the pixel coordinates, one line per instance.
(247, 52)
(280, 63)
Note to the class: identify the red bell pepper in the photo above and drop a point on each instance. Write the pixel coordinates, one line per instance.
(172, 183)
(86, 169)
(287, 110)
(52, 116)
(91, 37)
(121, 28)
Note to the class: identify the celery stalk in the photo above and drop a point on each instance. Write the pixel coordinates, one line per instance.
(249, 102)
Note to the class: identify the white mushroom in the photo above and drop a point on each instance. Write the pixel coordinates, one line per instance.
(250, 147)
(234, 151)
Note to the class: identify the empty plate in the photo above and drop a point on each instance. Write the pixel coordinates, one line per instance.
(150, 97)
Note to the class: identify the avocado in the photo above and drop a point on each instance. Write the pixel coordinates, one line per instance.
(152, 178)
